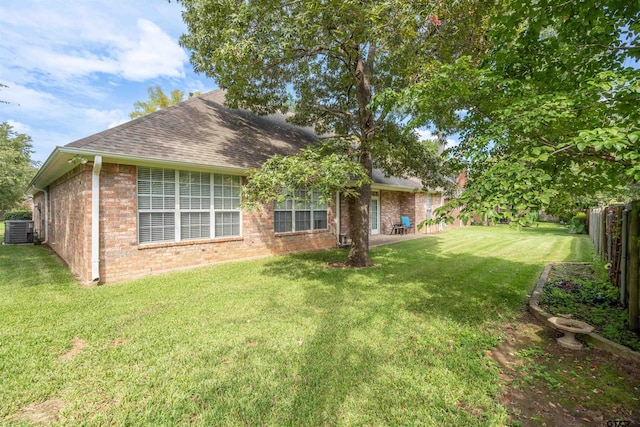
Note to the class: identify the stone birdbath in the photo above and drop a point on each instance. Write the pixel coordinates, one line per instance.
(570, 327)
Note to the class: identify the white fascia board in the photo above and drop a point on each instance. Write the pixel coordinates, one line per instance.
(57, 164)
(375, 187)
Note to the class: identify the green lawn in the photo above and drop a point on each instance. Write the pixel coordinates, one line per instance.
(279, 341)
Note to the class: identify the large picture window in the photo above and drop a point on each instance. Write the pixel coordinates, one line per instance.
(305, 212)
(186, 205)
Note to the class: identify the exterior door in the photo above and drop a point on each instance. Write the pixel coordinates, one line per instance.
(375, 213)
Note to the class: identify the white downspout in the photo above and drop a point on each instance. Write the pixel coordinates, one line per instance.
(338, 217)
(95, 219)
(46, 215)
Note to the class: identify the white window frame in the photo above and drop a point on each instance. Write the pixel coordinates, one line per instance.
(187, 210)
(299, 206)
(164, 210)
(215, 211)
(178, 210)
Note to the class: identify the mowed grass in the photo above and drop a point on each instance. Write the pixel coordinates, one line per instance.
(278, 341)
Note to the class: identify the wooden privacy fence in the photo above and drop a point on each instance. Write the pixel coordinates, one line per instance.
(615, 233)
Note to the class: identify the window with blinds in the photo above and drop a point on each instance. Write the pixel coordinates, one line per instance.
(156, 205)
(186, 205)
(195, 205)
(305, 212)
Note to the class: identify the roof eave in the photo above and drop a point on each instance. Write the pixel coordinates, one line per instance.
(59, 163)
(390, 187)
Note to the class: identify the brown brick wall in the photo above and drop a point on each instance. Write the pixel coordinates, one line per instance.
(70, 219)
(393, 205)
(122, 258)
(344, 215)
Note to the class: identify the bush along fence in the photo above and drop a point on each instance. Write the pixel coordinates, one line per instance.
(615, 233)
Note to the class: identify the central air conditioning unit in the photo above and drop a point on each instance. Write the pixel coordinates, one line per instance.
(18, 231)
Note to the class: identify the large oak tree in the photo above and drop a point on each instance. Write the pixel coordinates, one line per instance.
(327, 60)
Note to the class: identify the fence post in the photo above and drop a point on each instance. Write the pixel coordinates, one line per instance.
(624, 254)
(603, 233)
(633, 283)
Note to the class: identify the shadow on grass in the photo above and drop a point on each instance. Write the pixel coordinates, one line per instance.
(579, 245)
(410, 284)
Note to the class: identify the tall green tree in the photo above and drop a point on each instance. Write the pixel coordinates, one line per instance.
(16, 167)
(550, 115)
(157, 101)
(332, 57)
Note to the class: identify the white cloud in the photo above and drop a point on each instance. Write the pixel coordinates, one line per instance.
(64, 41)
(106, 119)
(24, 100)
(425, 134)
(153, 55)
(75, 68)
(18, 127)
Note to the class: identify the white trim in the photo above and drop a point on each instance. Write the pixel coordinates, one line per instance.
(95, 219)
(338, 217)
(377, 230)
(177, 234)
(378, 187)
(312, 209)
(178, 211)
(146, 161)
(57, 165)
(212, 214)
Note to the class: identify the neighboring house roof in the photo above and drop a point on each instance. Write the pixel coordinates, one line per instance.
(199, 132)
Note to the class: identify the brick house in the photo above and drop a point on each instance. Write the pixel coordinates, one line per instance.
(162, 193)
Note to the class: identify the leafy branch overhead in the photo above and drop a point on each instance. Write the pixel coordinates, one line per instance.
(554, 98)
(280, 176)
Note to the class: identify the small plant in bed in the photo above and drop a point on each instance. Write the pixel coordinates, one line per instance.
(584, 293)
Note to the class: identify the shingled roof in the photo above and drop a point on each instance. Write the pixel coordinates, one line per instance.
(202, 131)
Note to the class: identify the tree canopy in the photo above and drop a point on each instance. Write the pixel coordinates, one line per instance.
(16, 167)
(329, 59)
(549, 117)
(157, 101)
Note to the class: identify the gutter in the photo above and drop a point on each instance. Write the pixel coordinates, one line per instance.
(149, 161)
(46, 213)
(95, 219)
(58, 159)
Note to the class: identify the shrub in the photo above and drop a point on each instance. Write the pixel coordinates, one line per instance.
(578, 224)
(18, 215)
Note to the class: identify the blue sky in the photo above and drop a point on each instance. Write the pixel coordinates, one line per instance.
(75, 68)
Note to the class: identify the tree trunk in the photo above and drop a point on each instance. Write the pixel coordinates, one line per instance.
(359, 205)
(359, 222)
